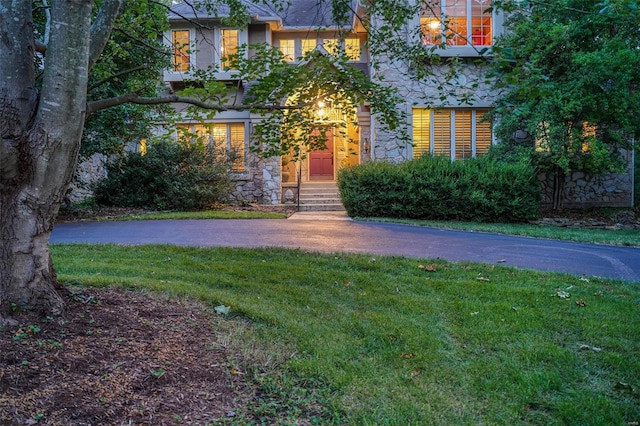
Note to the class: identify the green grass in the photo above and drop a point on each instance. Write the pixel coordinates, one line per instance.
(381, 341)
(620, 237)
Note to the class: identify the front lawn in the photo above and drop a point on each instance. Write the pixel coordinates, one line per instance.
(368, 340)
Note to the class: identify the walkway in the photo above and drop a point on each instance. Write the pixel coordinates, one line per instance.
(334, 232)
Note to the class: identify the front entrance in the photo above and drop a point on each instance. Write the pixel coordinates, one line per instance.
(321, 162)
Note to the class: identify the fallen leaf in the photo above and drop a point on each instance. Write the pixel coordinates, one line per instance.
(474, 313)
(581, 302)
(222, 310)
(407, 356)
(563, 294)
(415, 373)
(482, 279)
(589, 348)
(347, 283)
(428, 268)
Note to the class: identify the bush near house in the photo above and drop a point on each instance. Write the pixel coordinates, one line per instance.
(169, 176)
(435, 188)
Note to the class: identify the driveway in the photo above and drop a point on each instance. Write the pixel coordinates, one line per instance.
(336, 233)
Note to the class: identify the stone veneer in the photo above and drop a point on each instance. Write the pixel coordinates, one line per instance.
(259, 184)
(88, 172)
(585, 190)
(470, 84)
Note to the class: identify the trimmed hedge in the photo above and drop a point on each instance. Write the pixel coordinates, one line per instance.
(169, 177)
(435, 188)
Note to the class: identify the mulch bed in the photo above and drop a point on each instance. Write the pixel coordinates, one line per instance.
(118, 357)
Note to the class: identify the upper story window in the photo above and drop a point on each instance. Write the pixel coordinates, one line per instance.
(288, 49)
(308, 45)
(229, 41)
(456, 22)
(180, 40)
(351, 47)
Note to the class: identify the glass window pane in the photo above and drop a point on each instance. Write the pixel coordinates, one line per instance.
(236, 146)
(483, 132)
(352, 49)
(421, 131)
(228, 47)
(180, 42)
(442, 132)
(308, 46)
(288, 49)
(463, 134)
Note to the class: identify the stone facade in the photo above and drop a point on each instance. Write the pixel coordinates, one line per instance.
(469, 85)
(261, 183)
(583, 190)
(88, 172)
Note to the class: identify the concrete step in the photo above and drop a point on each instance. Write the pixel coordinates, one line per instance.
(322, 207)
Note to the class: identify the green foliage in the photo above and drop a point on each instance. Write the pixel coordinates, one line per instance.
(132, 60)
(569, 71)
(170, 176)
(437, 189)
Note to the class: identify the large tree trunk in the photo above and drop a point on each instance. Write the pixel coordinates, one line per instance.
(41, 136)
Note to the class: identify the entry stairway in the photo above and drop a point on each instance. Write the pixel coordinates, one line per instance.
(319, 196)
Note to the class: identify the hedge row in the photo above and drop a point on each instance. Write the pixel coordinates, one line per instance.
(169, 177)
(435, 188)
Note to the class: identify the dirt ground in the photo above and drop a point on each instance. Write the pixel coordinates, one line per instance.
(116, 358)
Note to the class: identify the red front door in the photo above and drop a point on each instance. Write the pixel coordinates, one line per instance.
(321, 162)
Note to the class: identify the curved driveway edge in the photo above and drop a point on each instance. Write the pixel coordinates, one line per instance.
(338, 234)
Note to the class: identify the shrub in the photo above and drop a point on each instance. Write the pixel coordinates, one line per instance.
(170, 176)
(435, 188)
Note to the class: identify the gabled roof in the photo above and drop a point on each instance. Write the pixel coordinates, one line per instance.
(298, 14)
(195, 9)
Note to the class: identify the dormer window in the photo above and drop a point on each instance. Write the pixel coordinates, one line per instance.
(180, 40)
(456, 22)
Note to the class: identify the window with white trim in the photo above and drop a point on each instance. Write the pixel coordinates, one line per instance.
(229, 42)
(308, 45)
(456, 22)
(181, 42)
(226, 140)
(458, 133)
(288, 49)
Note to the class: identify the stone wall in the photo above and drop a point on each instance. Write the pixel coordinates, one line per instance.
(260, 184)
(583, 190)
(469, 89)
(88, 172)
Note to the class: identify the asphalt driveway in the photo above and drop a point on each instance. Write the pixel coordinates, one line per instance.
(336, 233)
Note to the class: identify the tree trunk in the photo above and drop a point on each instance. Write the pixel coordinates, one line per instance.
(40, 142)
(559, 179)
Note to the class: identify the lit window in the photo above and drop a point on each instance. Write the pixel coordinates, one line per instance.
(456, 133)
(352, 49)
(332, 46)
(461, 22)
(228, 47)
(180, 43)
(225, 140)
(288, 49)
(142, 146)
(308, 46)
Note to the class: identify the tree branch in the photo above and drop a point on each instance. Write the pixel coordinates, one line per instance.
(114, 76)
(102, 26)
(134, 98)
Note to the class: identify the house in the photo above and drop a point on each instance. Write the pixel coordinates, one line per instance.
(454, 125)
